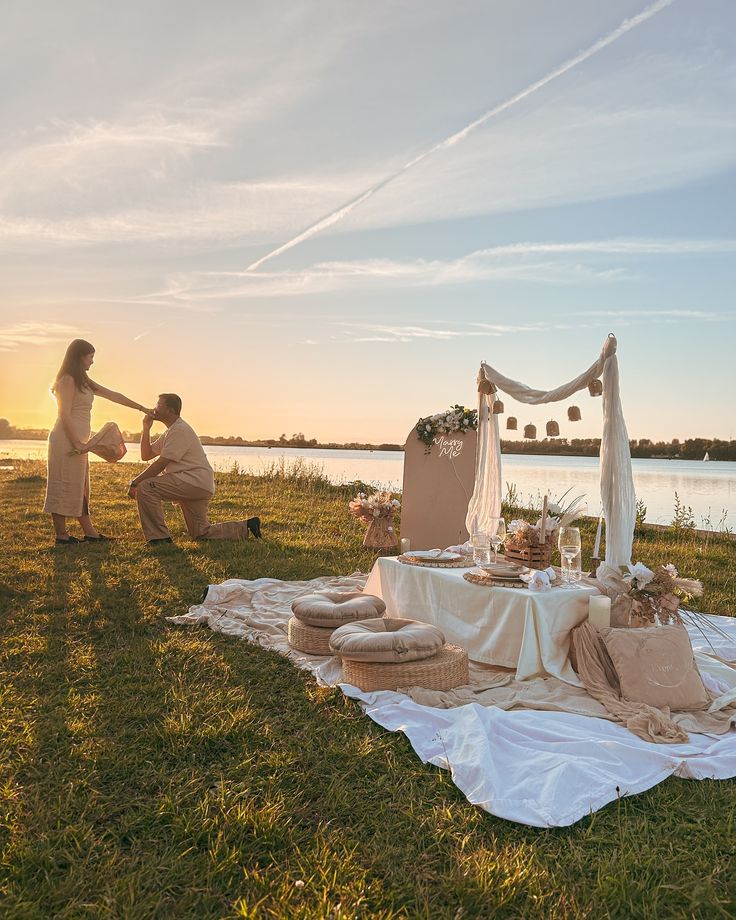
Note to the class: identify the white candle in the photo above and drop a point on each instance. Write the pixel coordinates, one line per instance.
(405, 544)
(543, 526)
(597, 547)
(599, 611)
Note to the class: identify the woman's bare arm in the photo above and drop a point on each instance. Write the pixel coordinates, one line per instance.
(64, 393)
(118, 398)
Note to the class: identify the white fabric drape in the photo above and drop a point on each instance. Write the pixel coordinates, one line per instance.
(617, 484)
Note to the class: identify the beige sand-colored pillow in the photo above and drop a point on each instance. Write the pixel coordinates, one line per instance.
(333, 608)
(387, 639)
(655, 665)
(108, 443)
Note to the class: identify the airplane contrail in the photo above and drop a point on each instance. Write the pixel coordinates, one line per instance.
(334, 216)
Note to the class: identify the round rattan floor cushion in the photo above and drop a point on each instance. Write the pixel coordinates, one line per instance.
(443, 671)
(314, 640)
(386, 640)
(333, 608)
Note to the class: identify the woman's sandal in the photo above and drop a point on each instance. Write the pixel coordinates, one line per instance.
(63, 541)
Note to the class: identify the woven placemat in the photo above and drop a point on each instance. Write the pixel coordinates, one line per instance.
(477, 578)
(462, 563)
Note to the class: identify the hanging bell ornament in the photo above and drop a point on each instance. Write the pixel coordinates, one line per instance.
(573, 414)
(553, 429)
(530, 431)
(511, 423)
(486, 387)
(595, 387)
(497, 407)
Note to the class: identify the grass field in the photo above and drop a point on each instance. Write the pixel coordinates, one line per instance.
(154, 771)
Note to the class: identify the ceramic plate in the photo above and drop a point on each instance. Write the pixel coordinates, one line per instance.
(431, 555)
(505, 569)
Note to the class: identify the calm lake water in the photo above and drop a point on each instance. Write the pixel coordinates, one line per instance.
(708, 488)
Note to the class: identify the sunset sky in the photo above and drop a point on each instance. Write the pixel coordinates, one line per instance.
(505, 180)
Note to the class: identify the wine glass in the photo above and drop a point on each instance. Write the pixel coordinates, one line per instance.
(568, 542)
(497, 529)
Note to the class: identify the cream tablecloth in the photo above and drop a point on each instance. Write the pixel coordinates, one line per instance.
(510, 627)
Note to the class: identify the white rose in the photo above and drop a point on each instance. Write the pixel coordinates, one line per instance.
(428, 427)
(639, 573)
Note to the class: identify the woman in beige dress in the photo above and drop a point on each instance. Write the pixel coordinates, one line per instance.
(67, 485)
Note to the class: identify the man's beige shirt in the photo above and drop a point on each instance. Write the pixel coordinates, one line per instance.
(180, 445)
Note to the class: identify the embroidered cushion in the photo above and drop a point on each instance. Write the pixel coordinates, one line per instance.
(655, 665)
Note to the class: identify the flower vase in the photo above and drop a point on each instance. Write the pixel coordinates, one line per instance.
(380, 533)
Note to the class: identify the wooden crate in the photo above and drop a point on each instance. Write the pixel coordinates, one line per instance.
(538, 556)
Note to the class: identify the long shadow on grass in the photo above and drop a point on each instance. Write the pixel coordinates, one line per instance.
(93, 776)
(348, 786)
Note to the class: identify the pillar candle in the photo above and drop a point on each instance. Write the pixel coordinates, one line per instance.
(597, 547)
(405, 544)
(599, 610)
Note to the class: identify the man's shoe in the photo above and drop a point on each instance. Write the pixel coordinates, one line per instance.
(254, 526)
(160, 540)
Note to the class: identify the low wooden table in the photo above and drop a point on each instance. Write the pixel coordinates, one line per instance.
(509, 627)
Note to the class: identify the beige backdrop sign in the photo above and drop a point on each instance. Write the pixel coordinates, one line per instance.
(437, 489)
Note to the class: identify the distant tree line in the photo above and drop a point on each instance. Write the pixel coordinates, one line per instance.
(690, 449)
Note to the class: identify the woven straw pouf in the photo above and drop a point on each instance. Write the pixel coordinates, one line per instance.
(443, 671)
(314, 640)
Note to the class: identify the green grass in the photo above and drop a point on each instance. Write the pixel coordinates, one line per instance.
(152, 771)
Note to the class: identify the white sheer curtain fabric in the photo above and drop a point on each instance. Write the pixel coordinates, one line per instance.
(617, 484)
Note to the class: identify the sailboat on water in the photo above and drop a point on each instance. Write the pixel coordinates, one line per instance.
(706, 457)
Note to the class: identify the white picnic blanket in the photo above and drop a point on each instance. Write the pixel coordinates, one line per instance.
(533, 764)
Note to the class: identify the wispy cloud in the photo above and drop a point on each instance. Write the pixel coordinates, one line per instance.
(396, 333)
(246, 212)
(90, 163)
(22, 335)
(511, 262)
(615, 247)
(340, 213)
(387, 332)
(666, 315)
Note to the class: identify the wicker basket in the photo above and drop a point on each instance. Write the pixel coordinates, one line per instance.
(314, 640)
(443, 671)
(537, 556)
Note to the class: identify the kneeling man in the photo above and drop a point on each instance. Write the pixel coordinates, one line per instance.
(181, 474)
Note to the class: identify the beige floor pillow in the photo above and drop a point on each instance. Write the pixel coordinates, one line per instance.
(655, 665)
(333, 608)
(388, 640)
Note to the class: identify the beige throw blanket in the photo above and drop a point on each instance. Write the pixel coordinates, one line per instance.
(595, 669)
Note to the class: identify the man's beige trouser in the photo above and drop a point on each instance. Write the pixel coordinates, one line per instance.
(194, 503)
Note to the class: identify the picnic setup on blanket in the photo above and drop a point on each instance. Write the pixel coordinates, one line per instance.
(546, 692)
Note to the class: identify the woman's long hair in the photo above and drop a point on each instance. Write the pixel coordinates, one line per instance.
(72, 364)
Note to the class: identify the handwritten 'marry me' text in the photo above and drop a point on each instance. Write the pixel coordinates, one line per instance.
(449, 447)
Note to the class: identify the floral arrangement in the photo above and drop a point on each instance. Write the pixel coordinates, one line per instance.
(376, 510)
(654, 596)
(457, 419)
(559, 514)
